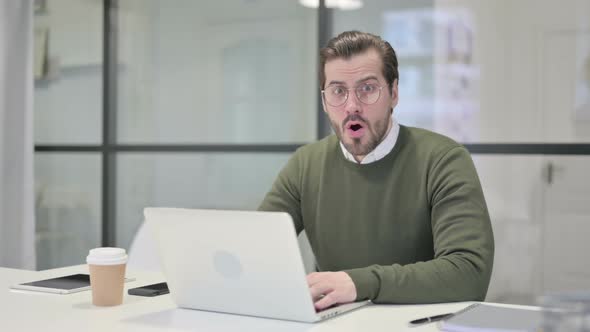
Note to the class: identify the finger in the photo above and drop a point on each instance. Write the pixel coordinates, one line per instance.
(326, 301)
(314, 278)
(320, 289)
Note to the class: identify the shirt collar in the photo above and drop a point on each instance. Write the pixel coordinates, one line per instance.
(381, 150)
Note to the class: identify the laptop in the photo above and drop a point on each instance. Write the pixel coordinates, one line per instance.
(239, 262)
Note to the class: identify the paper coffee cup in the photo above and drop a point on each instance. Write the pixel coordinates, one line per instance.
(107, 275)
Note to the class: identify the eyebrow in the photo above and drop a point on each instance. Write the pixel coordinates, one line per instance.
(371, 77)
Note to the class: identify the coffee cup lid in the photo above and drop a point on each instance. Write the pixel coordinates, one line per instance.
(106, 256)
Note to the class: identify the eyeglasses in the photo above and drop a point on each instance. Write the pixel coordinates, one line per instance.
(337, 95)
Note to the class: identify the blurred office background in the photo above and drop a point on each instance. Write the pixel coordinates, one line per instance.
(200, 103)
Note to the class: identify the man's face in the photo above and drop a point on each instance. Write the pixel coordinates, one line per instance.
(359, 126)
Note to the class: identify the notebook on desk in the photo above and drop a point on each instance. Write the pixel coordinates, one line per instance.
(489, 318)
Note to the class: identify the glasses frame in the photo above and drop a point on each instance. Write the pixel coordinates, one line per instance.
(355, 93)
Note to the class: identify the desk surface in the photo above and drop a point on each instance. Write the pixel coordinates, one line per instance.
(32, 311)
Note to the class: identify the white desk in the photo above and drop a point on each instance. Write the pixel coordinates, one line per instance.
(31, 311)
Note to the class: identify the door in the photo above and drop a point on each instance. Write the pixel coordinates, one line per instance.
(566, 184)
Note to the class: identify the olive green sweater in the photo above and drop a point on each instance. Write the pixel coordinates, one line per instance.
(412, 227)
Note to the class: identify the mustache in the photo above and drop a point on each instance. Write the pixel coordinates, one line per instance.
(354, 117)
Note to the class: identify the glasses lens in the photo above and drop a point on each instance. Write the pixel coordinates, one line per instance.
(336, 95)
(368, 93)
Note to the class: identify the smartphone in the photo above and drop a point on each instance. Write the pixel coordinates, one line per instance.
(61, 285)
(150, 290)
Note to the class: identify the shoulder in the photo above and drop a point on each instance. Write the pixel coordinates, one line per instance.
(429, 139)
(427, 144)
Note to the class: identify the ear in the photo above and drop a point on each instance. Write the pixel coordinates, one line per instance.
(323, 102)
(394, 94)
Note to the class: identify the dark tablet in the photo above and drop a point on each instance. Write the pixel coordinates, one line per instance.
(62, 285)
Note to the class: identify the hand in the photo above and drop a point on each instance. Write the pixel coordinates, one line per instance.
(329, 288)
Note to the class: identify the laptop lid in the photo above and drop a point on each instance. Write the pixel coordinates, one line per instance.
(241, 262)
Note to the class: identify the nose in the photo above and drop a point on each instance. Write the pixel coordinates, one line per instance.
(352, 105)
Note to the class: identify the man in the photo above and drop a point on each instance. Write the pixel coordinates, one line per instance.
(393, 214)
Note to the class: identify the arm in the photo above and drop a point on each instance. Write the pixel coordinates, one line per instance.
(463, 244)
(284, 195)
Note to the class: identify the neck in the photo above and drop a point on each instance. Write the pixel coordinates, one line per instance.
(358, 158)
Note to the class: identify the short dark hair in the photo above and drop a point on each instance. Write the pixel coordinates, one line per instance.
(350, 43)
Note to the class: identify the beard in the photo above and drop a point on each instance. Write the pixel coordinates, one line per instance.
(374, 134)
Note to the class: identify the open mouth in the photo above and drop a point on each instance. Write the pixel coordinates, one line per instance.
(354, 126)
(355, 129)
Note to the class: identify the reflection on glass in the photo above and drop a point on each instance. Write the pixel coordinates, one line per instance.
(539, 211)
(582, 105)
(254, 99)
(211, 180)
(441, 83)
(513, 189)
(67, 207)
(234, 72)
(487, 71)
(68, 82)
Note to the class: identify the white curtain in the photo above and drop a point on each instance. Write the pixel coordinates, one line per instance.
(17, 219)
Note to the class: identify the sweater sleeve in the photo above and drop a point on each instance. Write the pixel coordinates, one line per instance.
(284, 195)
(463, 244)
